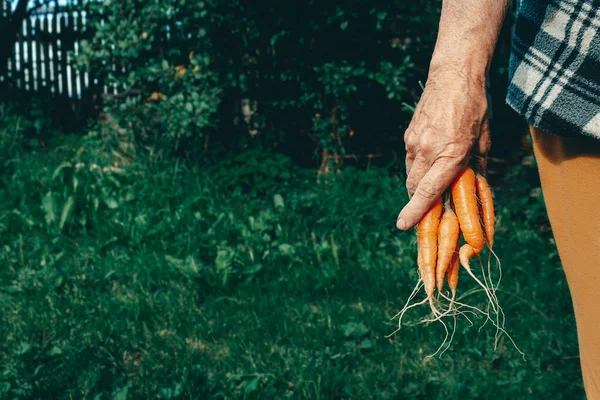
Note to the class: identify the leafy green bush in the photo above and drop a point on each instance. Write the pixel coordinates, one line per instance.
(11, 134)
(167, 91)
(78, 191)
(256, 170)
(184, 69)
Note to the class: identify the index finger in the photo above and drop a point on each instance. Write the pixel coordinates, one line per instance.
(430, 188)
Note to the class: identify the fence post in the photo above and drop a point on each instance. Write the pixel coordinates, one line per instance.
(64, 74)
(43, 46)
(55, 60)
(46, 45)
(30, 54)
(37, 51)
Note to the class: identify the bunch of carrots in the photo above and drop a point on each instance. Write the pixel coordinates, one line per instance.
(439, 255)
(467, 208)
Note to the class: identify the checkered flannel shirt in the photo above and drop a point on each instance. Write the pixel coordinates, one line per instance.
(555, 66)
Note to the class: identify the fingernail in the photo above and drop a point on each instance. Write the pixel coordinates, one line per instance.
(401, 224)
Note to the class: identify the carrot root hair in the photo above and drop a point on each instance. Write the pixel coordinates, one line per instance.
(466, 252)
(468, 208)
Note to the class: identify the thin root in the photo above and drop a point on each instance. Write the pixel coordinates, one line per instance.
(483, 286)
(443, 342)
(451, 336)
(408, 306)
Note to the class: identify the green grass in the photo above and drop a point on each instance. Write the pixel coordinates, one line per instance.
(240, 280)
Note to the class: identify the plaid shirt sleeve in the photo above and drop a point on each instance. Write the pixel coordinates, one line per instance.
(555, 66)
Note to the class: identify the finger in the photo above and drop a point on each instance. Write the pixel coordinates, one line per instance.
(482, 148)
(485, 142)
(411, 137)
(410, 159)
(429, 189)
(410, 146)
(418, 170)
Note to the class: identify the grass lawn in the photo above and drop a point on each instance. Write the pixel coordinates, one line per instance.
(247, 279)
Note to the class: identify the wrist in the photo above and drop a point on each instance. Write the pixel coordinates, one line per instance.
(467, 36)
(468, 62)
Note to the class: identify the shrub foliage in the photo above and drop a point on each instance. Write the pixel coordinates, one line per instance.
(311, 75)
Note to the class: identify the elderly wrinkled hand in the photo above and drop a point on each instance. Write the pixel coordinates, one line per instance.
(450, 126)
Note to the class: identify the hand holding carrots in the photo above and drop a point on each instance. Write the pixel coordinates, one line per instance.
(468, 209)
(449, 126)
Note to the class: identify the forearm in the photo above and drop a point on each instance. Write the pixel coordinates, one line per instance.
(450, 125)
(467, 35)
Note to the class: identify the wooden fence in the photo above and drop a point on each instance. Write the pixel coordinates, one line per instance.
(45, 50)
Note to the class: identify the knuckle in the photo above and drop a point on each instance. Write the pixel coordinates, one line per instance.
(411, 185)
(410, 142)
(426, 145)
(427, 190)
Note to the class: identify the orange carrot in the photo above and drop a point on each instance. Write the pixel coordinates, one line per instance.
(487, 208)
(453, 274)
(427, 230)
(448, 235)
(464, 254)
(467, 211)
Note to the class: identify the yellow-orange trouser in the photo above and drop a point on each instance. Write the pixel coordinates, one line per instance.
(570, 174)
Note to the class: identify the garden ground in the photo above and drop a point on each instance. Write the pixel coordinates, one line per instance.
(247, 278)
